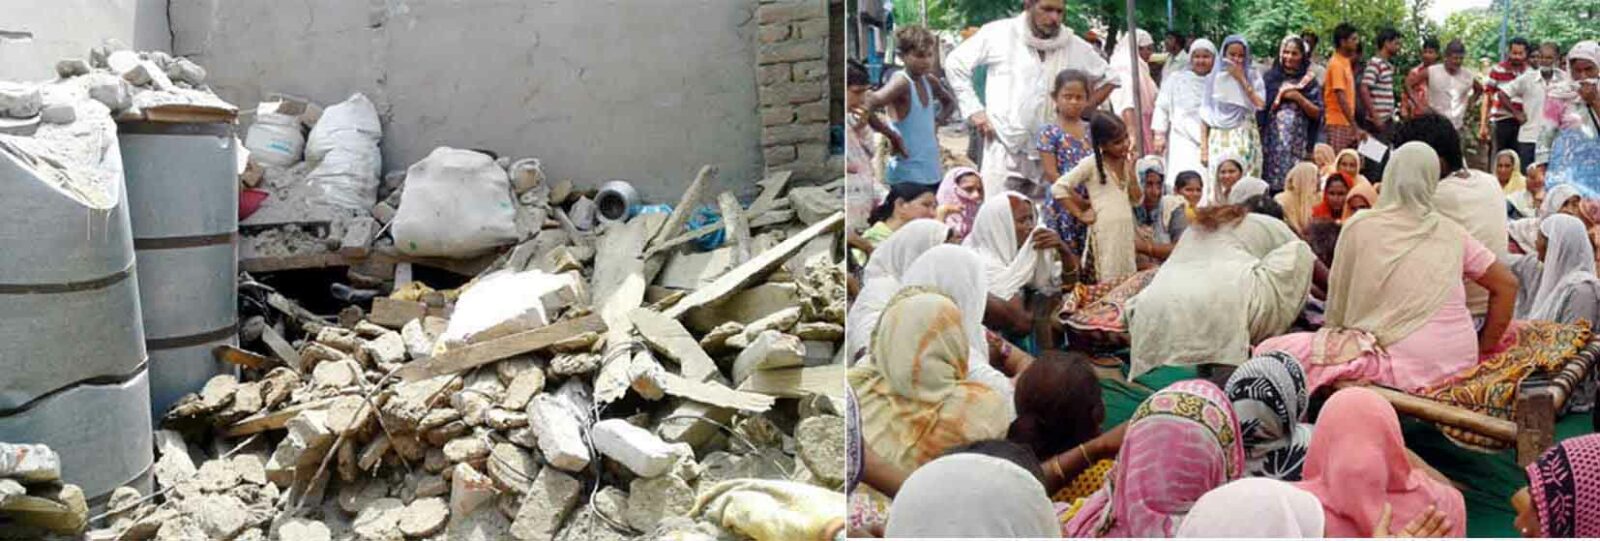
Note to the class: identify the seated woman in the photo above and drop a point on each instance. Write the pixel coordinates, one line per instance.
(1334, 189)
(1234, 279)
(906, 201)
(1563, 486)
(1300, 196)
(1348, 163)
(1227, 171)
(881, 278)
(1182, 442)
(1508, 171)
(1358, 467)
(1323, 156)
(1277, 509)
(1058, 409)
(1269, 396)
(1407, 329)
(988, 492)
(960, 194)
(1361, 197)
(914, 397)
(1526, 201)
(1177, 212)
(958, 272)
(1563, 288)
(1013, 247)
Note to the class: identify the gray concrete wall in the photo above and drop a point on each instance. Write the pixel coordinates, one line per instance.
(644, 90)
(34, 34)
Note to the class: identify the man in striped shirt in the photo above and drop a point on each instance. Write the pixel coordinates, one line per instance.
(1377, 83)
(1499, 107)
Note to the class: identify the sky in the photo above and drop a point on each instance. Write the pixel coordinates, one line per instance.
(1443, 8)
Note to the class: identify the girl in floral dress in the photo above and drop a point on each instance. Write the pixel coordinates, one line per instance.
(1061, 146)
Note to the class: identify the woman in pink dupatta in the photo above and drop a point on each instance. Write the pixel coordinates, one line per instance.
(1180, 443)
(959, 196)
(1357, 463)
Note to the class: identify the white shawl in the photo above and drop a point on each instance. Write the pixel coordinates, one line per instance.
(1568, 264)
(958, 272)
(881, 278)
(972, 495)
(994, 237)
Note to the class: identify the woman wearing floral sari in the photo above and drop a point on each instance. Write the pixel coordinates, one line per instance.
(1294, 104)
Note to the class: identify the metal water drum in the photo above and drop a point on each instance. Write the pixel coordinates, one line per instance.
(183, 202)
(72, 355)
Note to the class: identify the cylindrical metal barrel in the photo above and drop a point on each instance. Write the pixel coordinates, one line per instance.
(72, 355)
(183, 202)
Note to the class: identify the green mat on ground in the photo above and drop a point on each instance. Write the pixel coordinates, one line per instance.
(1487, 480)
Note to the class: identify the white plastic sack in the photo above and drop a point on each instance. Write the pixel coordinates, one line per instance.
(504, 299)
(344, 145)
(275, 139)
(356, 114)
(456, 203)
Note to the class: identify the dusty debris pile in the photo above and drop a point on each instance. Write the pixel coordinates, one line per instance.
(34, 503)
(617, 383)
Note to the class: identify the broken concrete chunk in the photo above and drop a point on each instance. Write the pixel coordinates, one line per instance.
(342, 339)
(420, 335)
(500, 419)
(121, 61)
(380, 520)
(512, 468)
(469, 490)
(336, 374)
(466, 449)
(71, 67)
(110, 90)
(395, 313)
(218, 392)
(424, 517)
(307, 441)
(19, 100)
(717, 339)
(782, 320)
(353, 497)
(218, 476)
(35, 463)
(819, 331)
(182, 69)
(820, 441)
(636, 448)
(59, 113)
(349, 414)
(304, 529)
(813, 204)
(442, 435)
(221, 516)
(438, 417)
(174, 464)
(550, 498)
(651, 500)
(505, 303)
(770, 349)
(387, 348)
(523, 388)
(432, 485)
(560, 432)
(574, 364)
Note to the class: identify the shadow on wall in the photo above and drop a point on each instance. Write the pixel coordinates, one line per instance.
(34, 34)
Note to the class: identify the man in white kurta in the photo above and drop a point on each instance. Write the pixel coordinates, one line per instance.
(1023, 54)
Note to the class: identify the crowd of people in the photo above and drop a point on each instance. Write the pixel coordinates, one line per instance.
(1283, 232)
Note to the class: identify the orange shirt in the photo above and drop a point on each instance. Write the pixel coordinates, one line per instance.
(1340, 77)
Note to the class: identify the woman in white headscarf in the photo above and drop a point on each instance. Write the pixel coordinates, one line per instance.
(1566, 289)
(881, 278)
(1277, 509)
(1230, 173)
(1397, 310)
(1234, 93)
(972, 495)
(1012, 246)
(1177, 126)
(959, 272)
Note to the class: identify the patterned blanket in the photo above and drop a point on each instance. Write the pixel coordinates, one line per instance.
(1490, 388)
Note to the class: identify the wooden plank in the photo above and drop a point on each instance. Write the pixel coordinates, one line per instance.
(1536, 422)
(686, 205)
(262, 422)
(239, 357)
(281, 348)
(471, 355)
(827, 380)
(738, 229)
(320, 260)
(715, 394)
(671, 339)
(746, 274)
(771, 188)
(1436, 412)
(618, 288)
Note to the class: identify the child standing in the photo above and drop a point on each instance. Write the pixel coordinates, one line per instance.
(910, 95)
(1061, 146)
(1113, 190)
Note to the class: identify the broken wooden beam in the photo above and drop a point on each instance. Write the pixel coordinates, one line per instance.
(712, 393)
(671, 339)
(686, 206)
(746, 274)
(481, 353)
(738, 229)
(239, 357)
(281, 348)
(273, 420)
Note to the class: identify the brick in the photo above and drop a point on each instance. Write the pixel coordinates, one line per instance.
(641, 452)
(549, 499)
(778, 155)
(810, 70)
(794, 133)
(812, 29)
(773, 33)
(790, 51)
(560, 433)
(791, 11)
(777, 114)
(773, 74)
(816, 111)
(794, 93)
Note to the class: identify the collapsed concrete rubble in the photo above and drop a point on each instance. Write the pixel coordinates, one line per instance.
(34, 502)
(619, 381)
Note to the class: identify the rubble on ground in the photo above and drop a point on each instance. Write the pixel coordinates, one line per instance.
(34, 502)
(583, 385)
